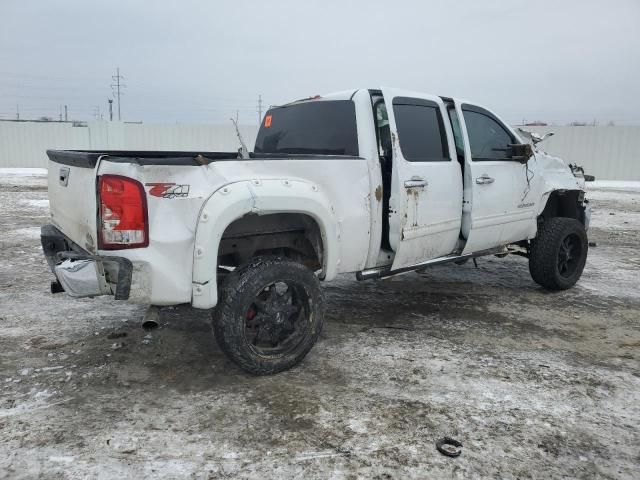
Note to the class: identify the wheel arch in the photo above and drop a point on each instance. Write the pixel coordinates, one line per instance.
(563, 203)
(291, 235)
(234, 203)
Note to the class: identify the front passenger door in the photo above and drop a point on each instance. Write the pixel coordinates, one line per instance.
(502, 205)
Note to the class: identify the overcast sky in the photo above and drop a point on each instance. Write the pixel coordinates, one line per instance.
(195, 61)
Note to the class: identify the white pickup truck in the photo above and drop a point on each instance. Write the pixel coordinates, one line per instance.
(371, 181)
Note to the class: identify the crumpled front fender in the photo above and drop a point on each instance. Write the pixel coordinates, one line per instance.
(556, 175)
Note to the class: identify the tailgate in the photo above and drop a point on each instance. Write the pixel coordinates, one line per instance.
(72, 196)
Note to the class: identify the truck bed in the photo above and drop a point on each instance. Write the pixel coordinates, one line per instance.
(340, 183)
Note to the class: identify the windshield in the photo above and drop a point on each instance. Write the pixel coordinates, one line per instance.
(314, 127)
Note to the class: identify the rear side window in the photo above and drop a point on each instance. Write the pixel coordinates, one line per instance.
(420, 130)
(488, 139)
(314, 127)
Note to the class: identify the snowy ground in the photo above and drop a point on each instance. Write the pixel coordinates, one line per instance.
(534, 384)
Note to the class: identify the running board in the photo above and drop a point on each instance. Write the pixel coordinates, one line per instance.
(381, 272)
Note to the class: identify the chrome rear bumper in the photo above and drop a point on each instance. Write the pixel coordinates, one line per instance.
(82, 274)
(82, 278)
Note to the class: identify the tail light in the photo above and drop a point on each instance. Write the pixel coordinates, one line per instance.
(122, 216)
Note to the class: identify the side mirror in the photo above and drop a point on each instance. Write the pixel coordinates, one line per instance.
(521, 152)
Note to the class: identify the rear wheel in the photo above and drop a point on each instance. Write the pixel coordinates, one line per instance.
(269, 315)
(559, 253)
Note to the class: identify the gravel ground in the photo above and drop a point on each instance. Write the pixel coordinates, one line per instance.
(534, 384)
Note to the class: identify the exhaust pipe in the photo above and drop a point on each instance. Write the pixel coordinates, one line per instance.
(56, 287)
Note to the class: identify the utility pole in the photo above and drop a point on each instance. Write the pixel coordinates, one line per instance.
(66, 117)
(259, 109)
(118, 85)
(110, 100)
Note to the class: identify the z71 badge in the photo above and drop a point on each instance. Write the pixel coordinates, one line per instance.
(168, 190)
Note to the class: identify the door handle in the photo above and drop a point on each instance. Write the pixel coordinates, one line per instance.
(415, 182)
(484, 179)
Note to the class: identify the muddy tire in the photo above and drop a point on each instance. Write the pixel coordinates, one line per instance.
(558, 254)
(269, 315)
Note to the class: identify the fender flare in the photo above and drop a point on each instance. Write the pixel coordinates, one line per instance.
(544, 199)
(556, 176)
(262, 197)
(546, 195)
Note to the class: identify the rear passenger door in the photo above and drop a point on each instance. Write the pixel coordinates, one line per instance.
(425, 207)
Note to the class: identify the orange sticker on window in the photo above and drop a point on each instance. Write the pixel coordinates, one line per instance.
(267, 121)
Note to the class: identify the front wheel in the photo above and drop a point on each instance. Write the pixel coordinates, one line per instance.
(558, 254)
(269, 315)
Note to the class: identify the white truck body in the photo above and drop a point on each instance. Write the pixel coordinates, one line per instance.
(437, 209)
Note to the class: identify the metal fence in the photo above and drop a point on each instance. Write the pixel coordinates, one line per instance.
(23, 144)
(608, 152)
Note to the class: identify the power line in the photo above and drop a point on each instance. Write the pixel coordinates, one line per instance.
(118, 86)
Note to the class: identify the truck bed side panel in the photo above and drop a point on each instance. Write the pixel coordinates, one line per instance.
(173, 219)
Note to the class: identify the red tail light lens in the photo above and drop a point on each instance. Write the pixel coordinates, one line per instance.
(123, 221)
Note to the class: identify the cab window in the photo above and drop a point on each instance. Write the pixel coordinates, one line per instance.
(326, 127)
(488, 139)
(420, 130)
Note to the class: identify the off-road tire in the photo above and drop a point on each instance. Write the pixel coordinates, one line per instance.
(545, 251)
(238, 291)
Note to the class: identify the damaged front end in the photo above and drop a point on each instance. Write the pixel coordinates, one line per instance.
(583, 203)
(578, 172)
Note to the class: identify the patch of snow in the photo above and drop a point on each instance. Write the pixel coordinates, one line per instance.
(23, 172)
(614, 185)
(357, 425)
(615, 277)
(621, 221)
(37, 401)
(31, 232)
(50, 369)
(24, 176)
(36, 203)
(61, 458)
(622, 196)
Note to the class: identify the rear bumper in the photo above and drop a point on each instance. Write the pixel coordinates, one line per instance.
(82, 274)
